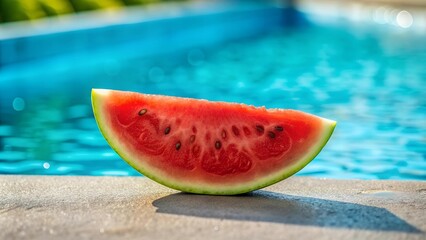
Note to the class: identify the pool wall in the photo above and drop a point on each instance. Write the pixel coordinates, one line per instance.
(141, 31)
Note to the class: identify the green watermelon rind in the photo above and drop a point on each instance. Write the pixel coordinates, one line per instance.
(328, 128)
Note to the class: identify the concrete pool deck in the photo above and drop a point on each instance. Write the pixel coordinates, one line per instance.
(58, 207)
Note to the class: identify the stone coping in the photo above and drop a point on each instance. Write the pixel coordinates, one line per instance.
(61, 207)
(408, 15)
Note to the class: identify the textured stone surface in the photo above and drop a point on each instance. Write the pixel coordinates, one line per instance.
(44, 207)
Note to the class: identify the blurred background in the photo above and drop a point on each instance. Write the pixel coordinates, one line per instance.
(21, 10)
(359, 62)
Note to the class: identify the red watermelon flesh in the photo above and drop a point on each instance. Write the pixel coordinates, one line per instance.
(208, 147)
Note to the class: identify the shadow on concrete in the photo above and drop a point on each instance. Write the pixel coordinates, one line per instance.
(280, 208)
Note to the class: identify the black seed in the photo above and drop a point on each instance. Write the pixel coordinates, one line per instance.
(271, 134)
(279, 128)
(217, 144)
(178, 145)
(142, 111)
(167, 130)
(192, 138)
(260, 128)
(235, 130)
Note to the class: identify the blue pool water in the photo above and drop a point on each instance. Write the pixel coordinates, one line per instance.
(371, 81)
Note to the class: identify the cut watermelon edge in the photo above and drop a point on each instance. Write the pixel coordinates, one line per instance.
(119, 148)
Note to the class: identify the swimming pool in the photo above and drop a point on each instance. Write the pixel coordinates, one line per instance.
(372, 81)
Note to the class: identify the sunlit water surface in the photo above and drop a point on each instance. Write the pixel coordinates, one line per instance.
(372, 82)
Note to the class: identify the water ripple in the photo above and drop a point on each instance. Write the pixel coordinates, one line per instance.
(371, 82)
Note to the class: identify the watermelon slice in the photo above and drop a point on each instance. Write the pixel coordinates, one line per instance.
(206, 147)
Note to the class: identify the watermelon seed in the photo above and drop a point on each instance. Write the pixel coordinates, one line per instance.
(223, 134)
(142, 111)
(260, 128)
(279, 128)
(271, 134)
(167, 130)
(178, 145)
(192, 138)
(217, 144)
(235, 130)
